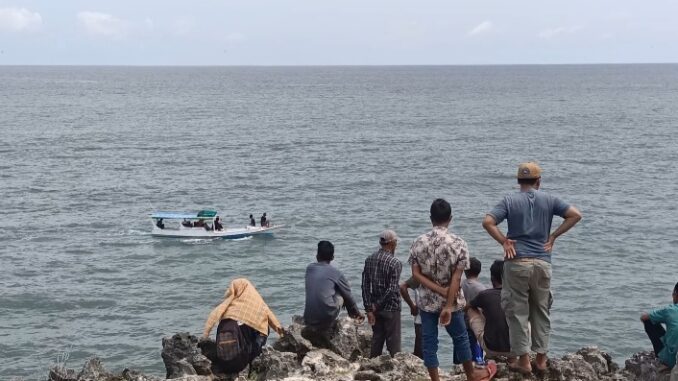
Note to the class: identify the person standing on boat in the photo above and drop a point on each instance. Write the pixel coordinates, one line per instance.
(263, 221)
(380, 295)
(526, 291)
(217, 224)
(252, 222)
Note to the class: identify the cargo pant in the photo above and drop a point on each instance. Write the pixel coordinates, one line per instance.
(526, 300)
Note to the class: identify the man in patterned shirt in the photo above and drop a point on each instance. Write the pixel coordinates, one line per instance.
(381, 295)
(438, 260)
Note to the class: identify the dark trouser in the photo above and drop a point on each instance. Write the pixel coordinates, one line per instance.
(386, 329)
(417, 341)
(655, 333)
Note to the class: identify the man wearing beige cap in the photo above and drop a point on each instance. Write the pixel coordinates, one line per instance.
(527, 247)
(381, 295)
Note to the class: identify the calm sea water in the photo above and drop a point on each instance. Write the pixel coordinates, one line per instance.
(336, 153)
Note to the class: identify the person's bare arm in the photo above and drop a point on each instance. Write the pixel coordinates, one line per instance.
(407, 299)
(451, 300)
(426, 282)
(571, 217)
(490, 226)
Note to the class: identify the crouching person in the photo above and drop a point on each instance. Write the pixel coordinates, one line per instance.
(243, 321)
(488, 320)
(664, 341)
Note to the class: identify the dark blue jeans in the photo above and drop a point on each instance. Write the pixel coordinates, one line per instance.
(457, 331)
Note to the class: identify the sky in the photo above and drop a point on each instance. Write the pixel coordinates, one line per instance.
(329, 32)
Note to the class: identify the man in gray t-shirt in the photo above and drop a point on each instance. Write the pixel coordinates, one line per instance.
(471, 286)
(327, 290)
(527, 247)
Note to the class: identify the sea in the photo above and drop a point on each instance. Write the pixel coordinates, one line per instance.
(333, 153)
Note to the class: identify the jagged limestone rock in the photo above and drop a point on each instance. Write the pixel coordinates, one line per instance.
(294, 342)
(344, 337)
(133, 375)
(59, 373)
(644, 366)
(402, 367)
(93, 370)
(274, 365)
(182, 357)
(323, 362)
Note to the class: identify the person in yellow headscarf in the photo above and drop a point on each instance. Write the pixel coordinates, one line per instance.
(243, 304)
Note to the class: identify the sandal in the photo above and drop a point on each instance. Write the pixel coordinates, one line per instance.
(540, 370)
(517, 368)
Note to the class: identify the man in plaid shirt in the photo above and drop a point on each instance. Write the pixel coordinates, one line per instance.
(381, 295)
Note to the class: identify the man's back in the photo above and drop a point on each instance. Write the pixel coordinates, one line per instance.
(437, 253)
(322, 304)
(496, 333)
(381, 277)
(529, 215)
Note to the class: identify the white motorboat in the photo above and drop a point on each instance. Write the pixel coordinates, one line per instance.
(201, 224)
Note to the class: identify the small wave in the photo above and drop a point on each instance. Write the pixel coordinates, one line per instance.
(241, 239)
(138, 232)
(199, 241)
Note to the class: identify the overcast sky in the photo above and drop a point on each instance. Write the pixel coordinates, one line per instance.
(329, 32)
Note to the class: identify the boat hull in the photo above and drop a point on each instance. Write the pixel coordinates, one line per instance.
(200, 233)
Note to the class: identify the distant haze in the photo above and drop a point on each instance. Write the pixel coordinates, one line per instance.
(348, 32)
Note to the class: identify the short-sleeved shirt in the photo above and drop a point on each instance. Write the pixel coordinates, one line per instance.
(326, 290)
(471, 288)
(529, 215)
(496, 333)
(438, 253)
(669, 316)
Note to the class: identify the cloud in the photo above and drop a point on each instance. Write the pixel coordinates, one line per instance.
(102, 24)
(234, 38)
(548, 34)
(149, 23)
(481, 28)
(19, 20)
(183, 26)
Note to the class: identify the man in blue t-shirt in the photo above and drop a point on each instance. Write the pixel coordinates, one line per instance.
(526, 291)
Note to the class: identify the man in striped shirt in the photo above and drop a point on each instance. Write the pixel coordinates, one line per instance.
(381, 295)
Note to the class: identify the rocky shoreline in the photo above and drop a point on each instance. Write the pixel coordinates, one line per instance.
(306, 357)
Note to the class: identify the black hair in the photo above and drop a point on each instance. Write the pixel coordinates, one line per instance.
(675, 289)
(251, 216)
(497, 271)
(325, 251)
(527, 181)
(474, 268)
(441, 211)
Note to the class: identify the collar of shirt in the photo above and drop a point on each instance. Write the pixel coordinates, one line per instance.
(440, 229)
(382, 251)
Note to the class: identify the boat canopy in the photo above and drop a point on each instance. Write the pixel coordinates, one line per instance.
(202, 214)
